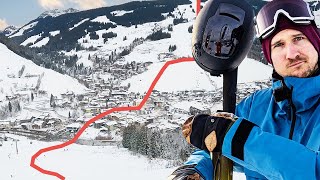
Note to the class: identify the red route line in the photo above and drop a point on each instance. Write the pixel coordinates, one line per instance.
(198, 7)
(99, 116)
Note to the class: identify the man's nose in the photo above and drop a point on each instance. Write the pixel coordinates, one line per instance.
(292, 51)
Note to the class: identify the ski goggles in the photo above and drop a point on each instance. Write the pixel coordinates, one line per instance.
(297, 11)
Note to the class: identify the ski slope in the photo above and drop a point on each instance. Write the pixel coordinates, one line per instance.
(12, 82)
(78, 162)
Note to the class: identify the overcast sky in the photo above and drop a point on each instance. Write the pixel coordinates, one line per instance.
(20, 12)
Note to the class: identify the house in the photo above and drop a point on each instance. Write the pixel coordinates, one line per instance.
(68, 95)
(99, 124)
(26, 126)
(53, 122)
(104, 94)
(114, 117)
(74, 127)
(111, 105)
(83, 103)
(179, 110)
(64, 104)
(194, 111)
(84, 119)
(119, 94)
(104, 136)
(5, 125)
(38, 124)
(149, 120)
(26, 120)
(10, 98)
(158, 103)
(93, 110)
(110, 125)
(104, 130)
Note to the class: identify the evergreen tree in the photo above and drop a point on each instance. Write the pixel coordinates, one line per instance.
(97, 59)
(52, 103)
(172, 48)
(154, 148)
(18, 107)
(10, 107)
(190, 28)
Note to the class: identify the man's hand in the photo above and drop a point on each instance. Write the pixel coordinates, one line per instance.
(207, 131)
(194, 176)
(186, 172)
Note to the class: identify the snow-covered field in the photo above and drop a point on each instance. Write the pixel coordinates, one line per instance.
(189, 76)
(78, 162)
(32, 75)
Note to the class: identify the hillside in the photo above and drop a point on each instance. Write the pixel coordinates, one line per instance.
(20, 75)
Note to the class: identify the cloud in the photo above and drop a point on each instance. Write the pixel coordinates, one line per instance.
(51, 4)
(89, 4)
(3, 24)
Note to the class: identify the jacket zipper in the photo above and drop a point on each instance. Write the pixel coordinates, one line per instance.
(292, 116)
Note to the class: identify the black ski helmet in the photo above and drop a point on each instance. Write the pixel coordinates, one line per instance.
(222, 35)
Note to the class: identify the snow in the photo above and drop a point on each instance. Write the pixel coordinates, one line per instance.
(79, 162)
(101, 19)
(182, 76)
(57, 12)
(120, 13)
(317, 17)
(54, 33)
(21, 30)
(9, 30)
(189, 76)
(111, 123)
(76, 25)
(83, 58)
(50, 81)
(74, 125)
(31, 39)
(42, 42)
(186, 105)
(117, 42)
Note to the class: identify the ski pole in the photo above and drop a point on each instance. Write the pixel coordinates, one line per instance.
(224, 167)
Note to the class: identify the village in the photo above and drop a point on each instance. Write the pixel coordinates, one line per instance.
(161, 110)
(61, 116)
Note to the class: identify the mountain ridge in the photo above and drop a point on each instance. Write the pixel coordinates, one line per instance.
(64, 42)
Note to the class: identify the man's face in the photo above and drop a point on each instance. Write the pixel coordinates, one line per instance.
(293, 54)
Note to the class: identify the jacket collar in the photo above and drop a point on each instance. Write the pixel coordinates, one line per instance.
(304, 92)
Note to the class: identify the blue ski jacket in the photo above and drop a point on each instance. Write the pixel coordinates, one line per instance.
(259, 140)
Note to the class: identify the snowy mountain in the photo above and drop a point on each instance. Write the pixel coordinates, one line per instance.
(20, 75)
(57, 12)
(104, 30)
(9, 30)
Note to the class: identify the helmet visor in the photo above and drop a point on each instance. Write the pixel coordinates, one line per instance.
(297, 11)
